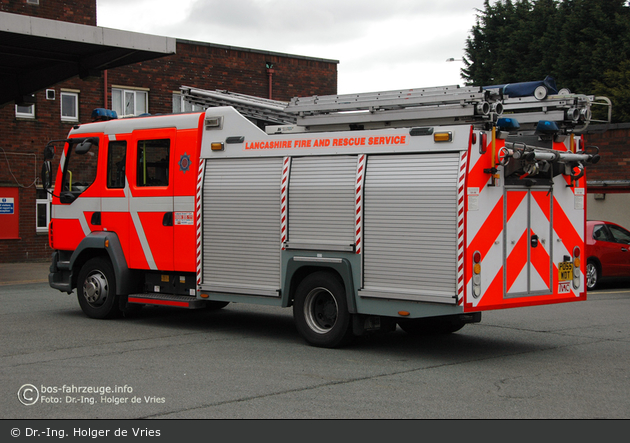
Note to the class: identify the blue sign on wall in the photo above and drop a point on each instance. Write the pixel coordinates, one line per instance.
(7, 205)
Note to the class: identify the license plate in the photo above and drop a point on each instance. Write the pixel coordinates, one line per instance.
(565, 271)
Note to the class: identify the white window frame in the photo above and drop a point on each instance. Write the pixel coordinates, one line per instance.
(21, 114)
(75, 95)
(132, 92)
(43, 201)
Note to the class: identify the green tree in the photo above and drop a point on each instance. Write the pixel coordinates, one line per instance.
(581, 43)
(616, 86)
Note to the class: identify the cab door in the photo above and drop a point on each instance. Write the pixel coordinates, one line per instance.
(151, 190)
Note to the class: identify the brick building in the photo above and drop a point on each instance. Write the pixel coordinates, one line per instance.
(148, 87)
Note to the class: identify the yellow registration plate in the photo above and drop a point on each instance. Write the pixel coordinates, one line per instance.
(565, 271)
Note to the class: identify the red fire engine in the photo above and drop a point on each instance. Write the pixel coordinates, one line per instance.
(419, 208)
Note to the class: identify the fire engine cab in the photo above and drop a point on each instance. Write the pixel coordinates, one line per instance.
(420, 208)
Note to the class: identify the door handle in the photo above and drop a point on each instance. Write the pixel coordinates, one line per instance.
(96, 219)
(624, 249)
(534, 241)
(167, 220)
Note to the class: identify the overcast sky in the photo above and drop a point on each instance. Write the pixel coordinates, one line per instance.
(381, 46)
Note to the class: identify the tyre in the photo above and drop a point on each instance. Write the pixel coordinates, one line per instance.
(320, 311)
(432, 325)
(96, 289)
(592, 275)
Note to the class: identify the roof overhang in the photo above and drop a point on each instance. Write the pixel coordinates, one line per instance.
(36, 53)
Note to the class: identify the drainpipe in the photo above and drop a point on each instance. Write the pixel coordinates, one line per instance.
(105, 88)
(270, 73)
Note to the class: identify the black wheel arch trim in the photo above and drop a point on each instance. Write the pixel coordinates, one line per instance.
(95, 244)
(296, 268)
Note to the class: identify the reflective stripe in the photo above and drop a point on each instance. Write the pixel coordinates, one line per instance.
(461, 191)
(358, 204)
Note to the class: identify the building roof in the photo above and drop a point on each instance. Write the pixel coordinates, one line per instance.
(257, 51)
(36, 53)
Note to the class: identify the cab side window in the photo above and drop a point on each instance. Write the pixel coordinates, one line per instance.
(153, 162)
(116, 154)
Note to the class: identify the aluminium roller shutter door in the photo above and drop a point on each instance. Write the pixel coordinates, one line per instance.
(241, 225)
(410, 227)
(321, 202)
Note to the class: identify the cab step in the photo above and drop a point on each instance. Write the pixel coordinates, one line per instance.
(178, 301)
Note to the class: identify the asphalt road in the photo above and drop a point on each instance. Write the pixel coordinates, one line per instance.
(566, 361)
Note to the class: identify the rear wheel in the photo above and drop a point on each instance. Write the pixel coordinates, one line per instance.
(96, 289)
(321, 312)
(431, 325)
(592, 275)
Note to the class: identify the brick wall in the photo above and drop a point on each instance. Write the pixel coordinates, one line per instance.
(208, 66)
(196, 64)
(614, 146)
(75, 11)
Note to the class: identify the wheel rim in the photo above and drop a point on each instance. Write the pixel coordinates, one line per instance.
(591, 275)
(320, 310)
(95, 288)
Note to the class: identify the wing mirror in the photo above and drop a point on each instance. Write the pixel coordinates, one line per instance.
(86, 145)
(46, 175)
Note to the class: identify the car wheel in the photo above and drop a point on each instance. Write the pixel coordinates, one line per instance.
(592, 275)
(320, 311)
(96, 289)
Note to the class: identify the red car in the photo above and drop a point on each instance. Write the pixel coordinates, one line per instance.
(607, 252)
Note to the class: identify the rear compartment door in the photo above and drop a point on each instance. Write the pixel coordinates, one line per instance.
(410, 226)
(528, 262)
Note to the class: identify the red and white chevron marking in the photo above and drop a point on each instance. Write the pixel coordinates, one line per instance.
(461, 196)
(358, 237)
(198, 207)
(284, 195)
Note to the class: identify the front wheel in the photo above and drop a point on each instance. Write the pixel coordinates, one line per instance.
(592, 275)
(321, 312)
(96, 289)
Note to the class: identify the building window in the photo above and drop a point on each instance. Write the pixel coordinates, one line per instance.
(69, 106)
(129, 102)
(32, 2)
(25, 111)
(181, 105)
(43, 209)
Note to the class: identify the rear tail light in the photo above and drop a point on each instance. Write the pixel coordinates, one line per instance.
(576, 267)
(476, 278)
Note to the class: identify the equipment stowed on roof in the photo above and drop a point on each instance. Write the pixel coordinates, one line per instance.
(528, 102)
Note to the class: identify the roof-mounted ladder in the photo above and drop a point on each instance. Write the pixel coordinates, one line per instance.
(437, 105)
(403, 108)
(255, 108)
